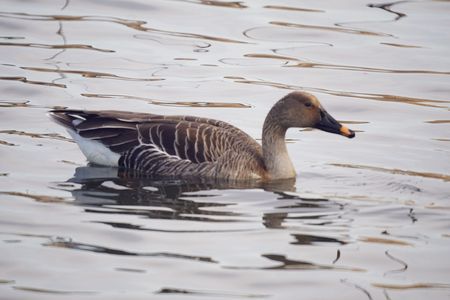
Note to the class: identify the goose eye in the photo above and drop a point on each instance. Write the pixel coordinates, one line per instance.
(308, 104)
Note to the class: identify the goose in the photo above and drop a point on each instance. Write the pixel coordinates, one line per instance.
(178, 146)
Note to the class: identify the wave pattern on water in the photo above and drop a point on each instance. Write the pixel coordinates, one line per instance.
(27, 81)
(305, 64)
(366, 218)
(368, 96)
(171, 103)
(136, 25)
(69, 244)
(64, 46)
(329, 28)
(90, 74)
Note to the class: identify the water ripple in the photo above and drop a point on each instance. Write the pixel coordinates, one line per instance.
(290, 8)
(306, 64)
(25, 80)
(170, 103)
(209, 293)
(54, 136)
(368, 96)
(62, 46)
(387, 7)
(329, 28)
(133, 24)
(90, 74)
(365, 69)
(51, 291)
(4, 104)
(419, 285)
(227, 4)
(443, 177)
(291, 264)
(38, 198)
(397, 260)
(62, 243)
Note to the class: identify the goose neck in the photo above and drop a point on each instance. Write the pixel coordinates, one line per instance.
(275, 154)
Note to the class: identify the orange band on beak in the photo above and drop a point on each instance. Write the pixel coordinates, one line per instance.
(346, 132)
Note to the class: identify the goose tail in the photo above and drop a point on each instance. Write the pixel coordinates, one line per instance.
(95, 152)
(67, 118)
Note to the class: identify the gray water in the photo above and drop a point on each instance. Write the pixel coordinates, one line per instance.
(367, 218)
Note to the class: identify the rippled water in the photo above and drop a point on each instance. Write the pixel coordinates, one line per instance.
(367, 218)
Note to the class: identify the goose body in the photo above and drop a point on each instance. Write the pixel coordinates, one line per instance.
(186, 146)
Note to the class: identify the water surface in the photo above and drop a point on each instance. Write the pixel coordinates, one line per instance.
(367, 218)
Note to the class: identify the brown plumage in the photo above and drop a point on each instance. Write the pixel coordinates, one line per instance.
(186, 146)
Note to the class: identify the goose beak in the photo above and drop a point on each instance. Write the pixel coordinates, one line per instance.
(329, 124)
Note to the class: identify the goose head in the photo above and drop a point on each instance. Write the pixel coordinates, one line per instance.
(300, 109)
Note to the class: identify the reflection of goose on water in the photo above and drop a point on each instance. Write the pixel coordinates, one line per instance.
(106, 193)
(106, 187)
(186, 146)
(104, 190)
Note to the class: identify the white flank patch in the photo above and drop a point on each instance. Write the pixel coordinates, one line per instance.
(95, 152)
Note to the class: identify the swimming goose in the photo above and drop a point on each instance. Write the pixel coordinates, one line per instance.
(186, 146)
